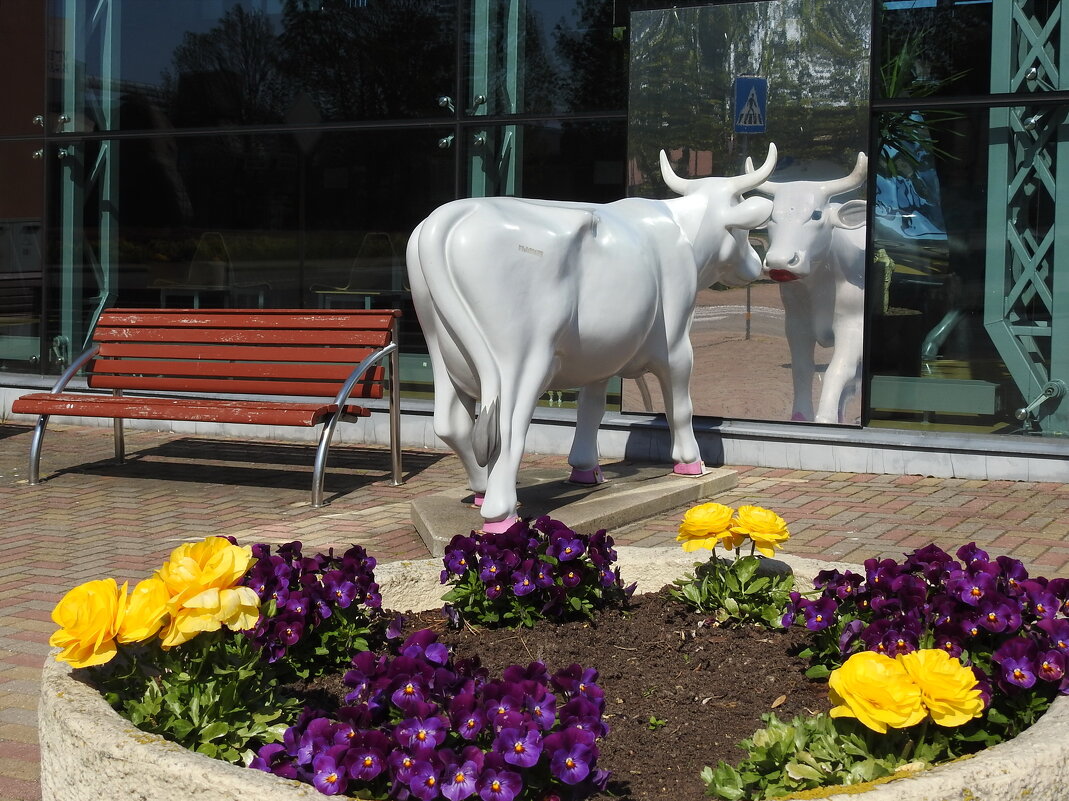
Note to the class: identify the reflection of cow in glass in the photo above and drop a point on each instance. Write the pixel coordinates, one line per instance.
(816, 251)
(517, 297)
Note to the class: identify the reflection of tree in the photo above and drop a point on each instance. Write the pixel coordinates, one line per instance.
(360, 62)
(595, 59)
(538, 84)
(674, 101)
(229, 74)
(812, 52)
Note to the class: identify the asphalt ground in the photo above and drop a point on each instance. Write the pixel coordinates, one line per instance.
(91, 518)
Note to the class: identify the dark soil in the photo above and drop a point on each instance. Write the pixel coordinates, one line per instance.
(680, 694)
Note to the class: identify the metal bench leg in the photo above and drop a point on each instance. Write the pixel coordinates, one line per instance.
(395, 413)
(322, 451)
(120, 444)
(35, 449)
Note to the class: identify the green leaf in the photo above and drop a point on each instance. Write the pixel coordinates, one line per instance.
(797, 770)
(213, 731)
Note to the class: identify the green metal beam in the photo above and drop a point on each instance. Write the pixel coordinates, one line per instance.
(1026, 298)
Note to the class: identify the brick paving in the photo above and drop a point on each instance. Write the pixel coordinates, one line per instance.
(93, 519)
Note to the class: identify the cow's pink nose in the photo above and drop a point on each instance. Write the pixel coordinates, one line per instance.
(782, 275)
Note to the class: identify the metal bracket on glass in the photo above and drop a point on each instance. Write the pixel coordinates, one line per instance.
(61, 350)
(1052, 389)
(445, 101)
(477, 101)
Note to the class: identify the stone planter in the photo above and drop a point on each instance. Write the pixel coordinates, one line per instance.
(88, 751)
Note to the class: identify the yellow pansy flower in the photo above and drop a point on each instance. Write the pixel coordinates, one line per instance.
(237, 609)
(765, 528)
(949, 690)
(202, 579)
(704, 525)
(89, 616)
(145, 610)
(877, 690)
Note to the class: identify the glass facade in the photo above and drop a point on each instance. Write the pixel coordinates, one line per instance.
(279, 152)
(966, 330)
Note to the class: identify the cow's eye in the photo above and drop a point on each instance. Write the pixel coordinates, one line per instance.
(816, 215)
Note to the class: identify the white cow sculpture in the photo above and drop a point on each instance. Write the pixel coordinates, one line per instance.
(816, 252)
(517, 297)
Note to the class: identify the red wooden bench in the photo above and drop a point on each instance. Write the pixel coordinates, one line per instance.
(180, 361)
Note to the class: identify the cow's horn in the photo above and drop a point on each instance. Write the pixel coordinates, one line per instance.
(768, 187)
(752, 179)
(852, 181)
(678, 185)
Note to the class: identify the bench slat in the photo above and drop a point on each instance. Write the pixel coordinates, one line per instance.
(195, 370)
(312, 356)
(186, 409)
(372, 338)
(242, 318)
(225, 386)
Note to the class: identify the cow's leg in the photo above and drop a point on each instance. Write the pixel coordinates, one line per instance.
(519, 395)
(583, 456)
(674, 376)
(844, 369)
(454, 412)
(798, 325)
(454, 419)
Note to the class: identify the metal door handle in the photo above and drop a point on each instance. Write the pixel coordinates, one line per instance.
(1052, 389)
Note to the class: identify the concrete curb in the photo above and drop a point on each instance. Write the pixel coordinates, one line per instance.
(88, 751)
(629, 494)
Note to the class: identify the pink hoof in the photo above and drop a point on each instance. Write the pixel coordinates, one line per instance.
(499, 526)
(594, 476)
(689, 469)
(798, 417)
(478, 501)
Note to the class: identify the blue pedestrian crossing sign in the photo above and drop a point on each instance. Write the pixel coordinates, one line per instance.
(751, 104)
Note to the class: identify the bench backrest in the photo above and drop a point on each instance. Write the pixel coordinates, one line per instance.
(239, 351)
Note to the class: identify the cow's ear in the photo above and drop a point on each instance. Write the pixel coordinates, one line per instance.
(852, 214)
(753, 212)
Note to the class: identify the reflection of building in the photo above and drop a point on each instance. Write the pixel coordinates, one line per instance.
(295, 133)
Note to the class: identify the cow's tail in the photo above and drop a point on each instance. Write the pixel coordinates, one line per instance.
(486, 437)
(462, 324)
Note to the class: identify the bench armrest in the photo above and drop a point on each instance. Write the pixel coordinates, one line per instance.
(343, 394)
(73, 369)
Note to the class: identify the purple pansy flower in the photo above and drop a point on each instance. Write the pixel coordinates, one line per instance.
(998, 613)
(499, 785)
(419, 733)
(459, 780)
(572, 755)
(273, 758)
(1016, 659)
(819, 614)
(1050, 665)
(1057, 631)
(520, 747)
(565, 548)
(328, 772)
(971, 587)
(367, 755)
(423, 780)
(1041, 602)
